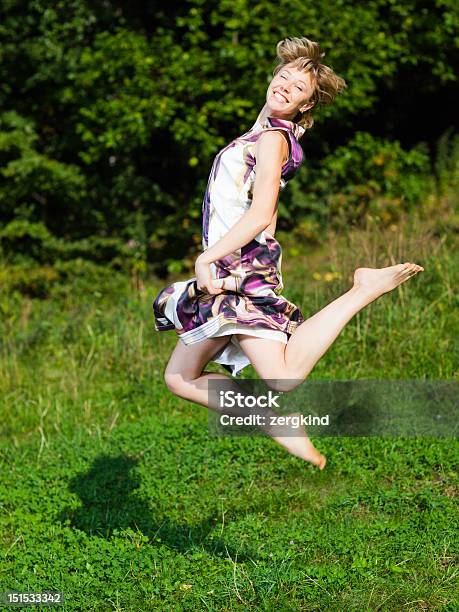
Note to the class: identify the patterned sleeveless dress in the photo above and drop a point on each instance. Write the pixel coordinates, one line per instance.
(257, 307)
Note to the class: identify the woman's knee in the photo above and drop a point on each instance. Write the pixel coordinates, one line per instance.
(278, 376)
(175, 383)
(285, 384)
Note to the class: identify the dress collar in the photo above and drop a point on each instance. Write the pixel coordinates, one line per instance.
(268, 122)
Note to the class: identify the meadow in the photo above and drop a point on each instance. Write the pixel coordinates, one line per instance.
(112, 490)
(114, 493)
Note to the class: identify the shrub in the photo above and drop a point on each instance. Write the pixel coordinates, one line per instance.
(368, 175)
(36, 281)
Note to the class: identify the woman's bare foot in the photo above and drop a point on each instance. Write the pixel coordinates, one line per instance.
(296, 441)
(376, 281)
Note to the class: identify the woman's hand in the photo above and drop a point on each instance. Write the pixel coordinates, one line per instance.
(204, 279)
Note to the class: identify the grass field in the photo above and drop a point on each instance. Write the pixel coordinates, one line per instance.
(113, 492)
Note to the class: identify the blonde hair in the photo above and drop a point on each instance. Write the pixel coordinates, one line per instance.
(304, 54)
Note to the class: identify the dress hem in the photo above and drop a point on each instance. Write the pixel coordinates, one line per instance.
(215, 324)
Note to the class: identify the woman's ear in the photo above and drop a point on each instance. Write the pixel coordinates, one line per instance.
(303, 109)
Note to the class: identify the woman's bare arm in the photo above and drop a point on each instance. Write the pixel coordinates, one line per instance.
(271, 228)
(271, 152)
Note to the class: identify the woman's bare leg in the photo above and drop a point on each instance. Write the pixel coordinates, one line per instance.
(184, 374)
(313, 338)
(289, 365)
(185, 377)
(286, 366)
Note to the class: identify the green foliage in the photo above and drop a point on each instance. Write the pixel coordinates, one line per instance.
(114, 113)
(124, 120)
(382, 164)
(368, 176)
(21, 238)
(33, 184)
(83, 277)
(38, 261)
(447, 163)
(45, 281)
(34, 281)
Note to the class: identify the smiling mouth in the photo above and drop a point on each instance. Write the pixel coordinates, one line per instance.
(279, 96)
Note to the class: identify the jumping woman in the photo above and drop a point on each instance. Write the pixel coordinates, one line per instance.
(233, 312)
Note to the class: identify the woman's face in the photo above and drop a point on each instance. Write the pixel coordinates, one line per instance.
(288, 92)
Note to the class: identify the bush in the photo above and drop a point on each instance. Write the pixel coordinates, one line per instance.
(79, 276)
(64, 278)
(367, 176)
(24, 240)
(35, 281)
(447, 163)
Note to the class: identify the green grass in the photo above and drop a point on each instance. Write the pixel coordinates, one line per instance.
(113, 492)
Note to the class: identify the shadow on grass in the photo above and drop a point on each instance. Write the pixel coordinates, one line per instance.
(110, 501)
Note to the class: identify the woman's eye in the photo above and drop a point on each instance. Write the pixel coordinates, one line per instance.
(299, 88)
